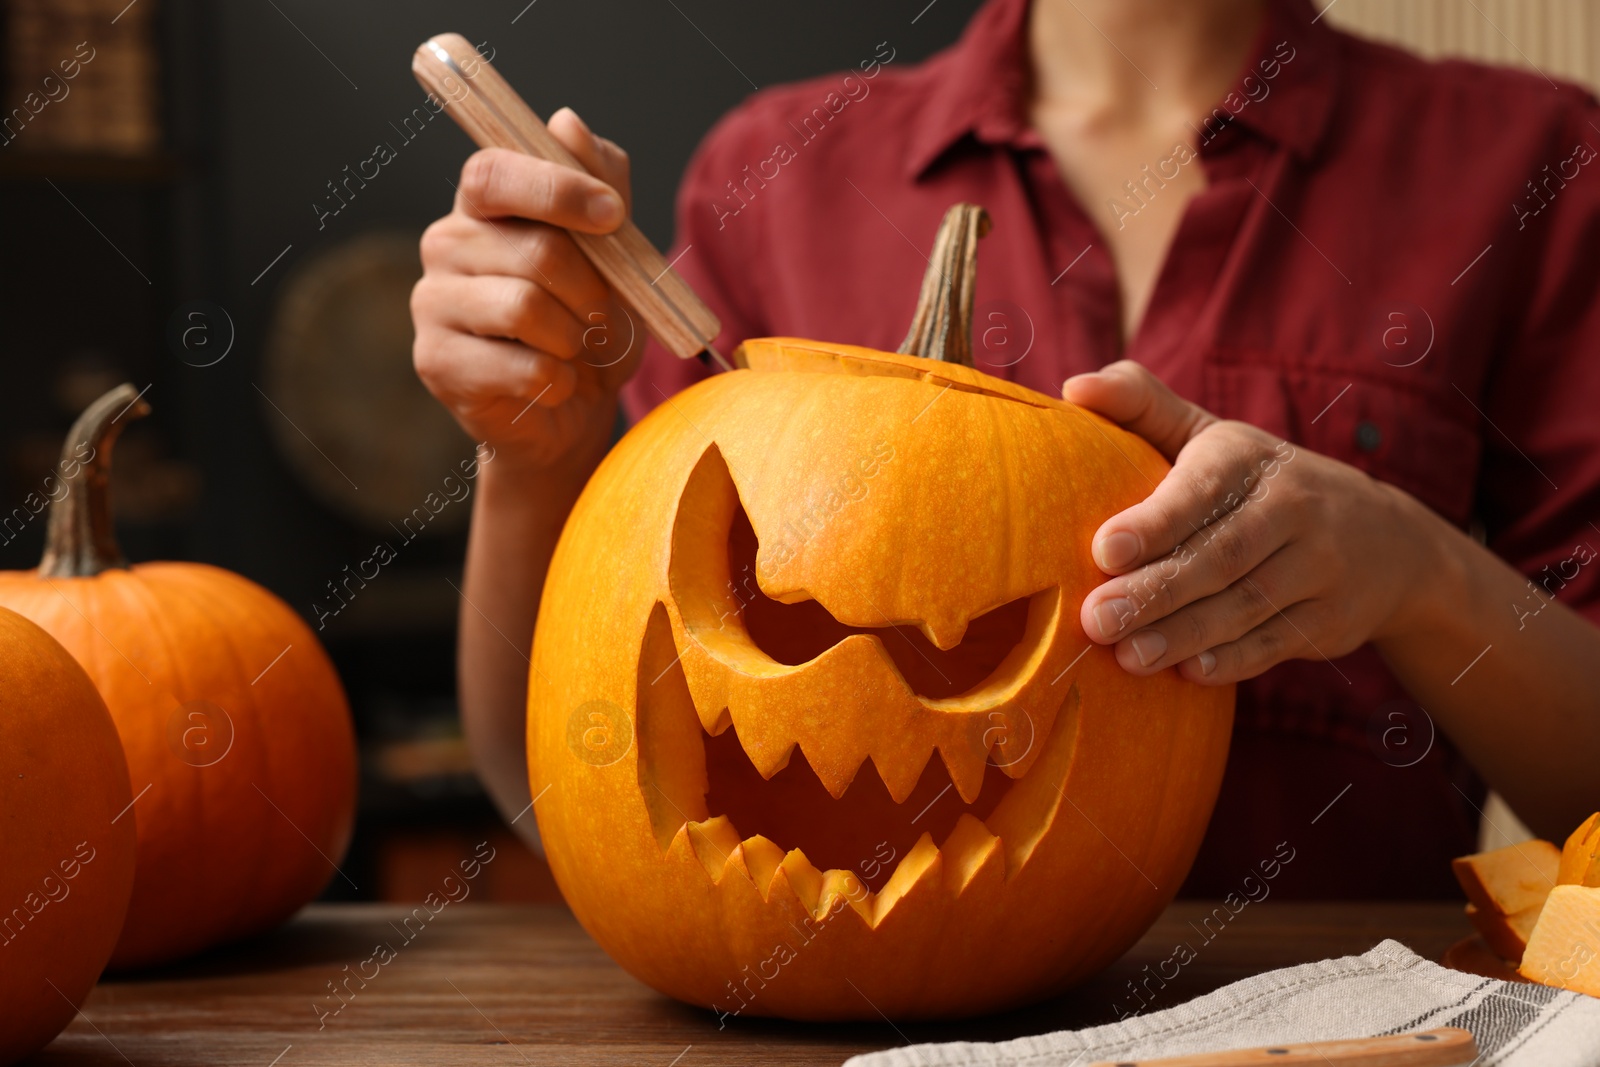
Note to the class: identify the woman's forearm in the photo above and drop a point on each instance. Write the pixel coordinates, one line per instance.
(516, 521)
(1509, 673)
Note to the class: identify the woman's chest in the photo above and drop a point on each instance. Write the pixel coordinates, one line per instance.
(1335, 319)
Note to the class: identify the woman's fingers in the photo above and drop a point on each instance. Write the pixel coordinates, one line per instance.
(515, 248)
(600, 157)
(1209, 603)
(499, 183)
(1281, 637)
(470, 374)
(1222, 617)
(1215, 556)
(1133, 398)
(1205, 465)
(1278, 557)
(1216, 474)
(498, 306)
(516, 332)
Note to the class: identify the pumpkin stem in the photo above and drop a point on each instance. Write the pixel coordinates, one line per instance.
(942, 326)
(79, 541)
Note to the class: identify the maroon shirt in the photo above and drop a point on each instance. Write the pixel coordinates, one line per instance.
(1394, 263)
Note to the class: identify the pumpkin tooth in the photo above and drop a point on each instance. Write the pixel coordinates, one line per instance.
(768, 758)
(757, 859)
(902, 770)
(835, 773)
(714, 723)
(922, 864)
(945, 628)
(967, 851)
(682, 851)
(965, 761)
(841, 888)
(713, 841)
(762, 859)
(802, 877)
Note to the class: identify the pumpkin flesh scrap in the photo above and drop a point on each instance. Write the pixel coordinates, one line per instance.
(1580, 857)
(1506, 933)
(1564, 948)
(1511, 879)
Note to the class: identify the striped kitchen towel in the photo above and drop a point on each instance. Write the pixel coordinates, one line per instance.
(1387, 990)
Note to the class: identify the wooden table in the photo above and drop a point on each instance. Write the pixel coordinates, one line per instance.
(508, 986)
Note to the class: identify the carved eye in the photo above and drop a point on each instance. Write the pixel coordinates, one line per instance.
(800, 632)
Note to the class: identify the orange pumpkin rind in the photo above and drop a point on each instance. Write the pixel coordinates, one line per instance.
(955, 801)
(233, 720)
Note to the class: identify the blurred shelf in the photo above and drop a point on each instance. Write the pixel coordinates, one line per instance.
(418, 760)
(410, 866)
(81, 167)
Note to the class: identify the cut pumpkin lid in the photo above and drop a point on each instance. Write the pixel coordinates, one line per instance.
(799, 354)
(937, 348)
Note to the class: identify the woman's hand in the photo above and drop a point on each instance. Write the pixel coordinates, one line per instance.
(517, 334)
(1251, 551)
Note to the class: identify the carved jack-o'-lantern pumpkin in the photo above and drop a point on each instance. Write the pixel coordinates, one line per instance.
(816, 729)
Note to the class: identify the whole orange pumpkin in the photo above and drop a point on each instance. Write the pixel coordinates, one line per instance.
(812, 725)
(238, 738)
(66, 837)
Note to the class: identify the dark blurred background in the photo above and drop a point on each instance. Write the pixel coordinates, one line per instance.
(169, 218)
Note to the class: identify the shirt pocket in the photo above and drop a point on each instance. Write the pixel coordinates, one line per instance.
(1401, 432)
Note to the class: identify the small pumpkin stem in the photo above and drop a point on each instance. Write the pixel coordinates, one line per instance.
(79, 541)
(942, 326)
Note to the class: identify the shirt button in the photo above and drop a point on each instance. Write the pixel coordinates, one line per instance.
(1368, 436)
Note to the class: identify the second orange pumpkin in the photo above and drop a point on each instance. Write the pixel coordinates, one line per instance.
(240, 750)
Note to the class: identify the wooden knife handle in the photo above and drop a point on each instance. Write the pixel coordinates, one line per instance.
(1445, 1047)
(494, 116)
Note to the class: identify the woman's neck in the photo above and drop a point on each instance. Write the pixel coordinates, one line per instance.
(1137, 59)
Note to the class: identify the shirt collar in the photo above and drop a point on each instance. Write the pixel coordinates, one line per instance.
(979, 86)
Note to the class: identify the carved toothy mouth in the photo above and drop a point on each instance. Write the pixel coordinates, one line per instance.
(704, 790)
(864, 814)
